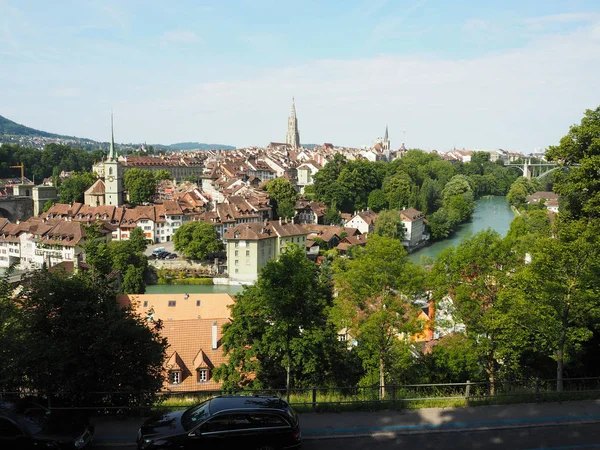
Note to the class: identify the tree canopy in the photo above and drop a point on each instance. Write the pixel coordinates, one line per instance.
(284, 196)
(197, 239)
(72, 189)
(140, 185)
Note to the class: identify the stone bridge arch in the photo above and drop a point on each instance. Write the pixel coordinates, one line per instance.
(16, 208)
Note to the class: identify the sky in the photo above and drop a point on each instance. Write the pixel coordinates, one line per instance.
(441, 74)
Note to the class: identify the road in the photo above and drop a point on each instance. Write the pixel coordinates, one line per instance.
(583, 436)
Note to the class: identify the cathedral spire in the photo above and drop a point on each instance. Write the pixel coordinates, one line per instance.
(292, 137)
(386, 133)
(111, 152)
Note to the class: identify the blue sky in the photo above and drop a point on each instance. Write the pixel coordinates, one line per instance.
(471, 74)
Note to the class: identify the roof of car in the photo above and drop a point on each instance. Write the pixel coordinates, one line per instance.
(221, 403)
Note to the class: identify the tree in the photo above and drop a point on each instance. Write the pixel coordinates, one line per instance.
(556, 297)
(128, 258)
(160, 175)
(197, 239)
(578, 153)
(376, 290)
(140, 185)
(377, 200)
(73, 340)
(283, 193)
(454, 359)
(517, 195)
(279, 334)
(473, 275)
(49, 204)
(332, 216)
(138, 240)
(458, 185)
(397, 190)
(72, 189)
(389, 224)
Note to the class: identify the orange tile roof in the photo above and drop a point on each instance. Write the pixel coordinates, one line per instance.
(210, 306)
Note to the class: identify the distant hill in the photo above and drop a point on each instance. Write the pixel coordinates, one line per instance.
(13, 132)
(198, 146)
(15, 129)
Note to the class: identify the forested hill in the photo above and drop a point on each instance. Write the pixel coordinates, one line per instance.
(198, 146)
(8, 127)
(14, 132)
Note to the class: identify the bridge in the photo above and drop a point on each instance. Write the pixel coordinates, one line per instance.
(16, 208)
(536, 170)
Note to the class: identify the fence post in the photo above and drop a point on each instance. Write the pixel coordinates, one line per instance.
(393, 396)
(537, 390)
(467, 392)
(314, 398)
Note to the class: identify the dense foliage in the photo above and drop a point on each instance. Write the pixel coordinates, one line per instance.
(283, 197)
(51, 161)
(197, 239)
(68, 338)
(444, 191)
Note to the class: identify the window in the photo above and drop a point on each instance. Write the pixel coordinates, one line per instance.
(219, 423)
(202, 375)
(175, 377)
(172, 302)
(145, 303)
(197, 302)
(237, 244)
(237, 271)
(247, 252)
(267, 420)
(236, 253)
(237, 262)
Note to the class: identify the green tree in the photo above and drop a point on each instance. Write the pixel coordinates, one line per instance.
(162, 175)
(332, 216)
(376, 290)
(458, 185)
(558, 293)
(389, 224)
(73, 328)
(140, 185)
(72, 189)
(133, 280)
(517, 195)
(377, 200)
(397, 190)
(197, 239)
(473, 274)
(578, 153)
(138, 240)
(454, 359)
(279, 334)
(49, 204)
(283, 193)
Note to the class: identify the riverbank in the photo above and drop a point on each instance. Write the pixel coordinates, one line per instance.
(490, 212)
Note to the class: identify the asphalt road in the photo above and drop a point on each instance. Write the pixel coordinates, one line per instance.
(563, 437)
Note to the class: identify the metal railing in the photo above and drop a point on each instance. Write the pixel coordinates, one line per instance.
(319, 398)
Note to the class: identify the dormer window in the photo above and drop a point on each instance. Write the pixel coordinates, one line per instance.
(175, 377)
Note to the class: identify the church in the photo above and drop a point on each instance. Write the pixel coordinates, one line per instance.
(108, 188)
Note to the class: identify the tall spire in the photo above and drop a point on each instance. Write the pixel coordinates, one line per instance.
(293, 135)
(386, 133)
(111, 152)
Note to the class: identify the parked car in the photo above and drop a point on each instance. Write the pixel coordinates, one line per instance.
(163, 255)
(28, 425)
(171, 256)
(157, 251)
(225, 422)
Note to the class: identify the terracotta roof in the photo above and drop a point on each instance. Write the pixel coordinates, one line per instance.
(411, 214)
(195, 306)
(98, 188)
(191, 342)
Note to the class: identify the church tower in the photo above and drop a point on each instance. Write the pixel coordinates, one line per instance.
(386, 140)
(113, 174)
(293, 136)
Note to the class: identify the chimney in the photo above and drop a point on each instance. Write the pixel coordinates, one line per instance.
(280, 221)
(214, 335)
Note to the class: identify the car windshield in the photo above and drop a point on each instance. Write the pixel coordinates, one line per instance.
(194, 416)
(35, 419)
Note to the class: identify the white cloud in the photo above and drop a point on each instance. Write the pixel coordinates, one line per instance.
(180, 36)
(518, 99)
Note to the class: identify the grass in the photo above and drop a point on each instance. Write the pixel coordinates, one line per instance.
(332, 401)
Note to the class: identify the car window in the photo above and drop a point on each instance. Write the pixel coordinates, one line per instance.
(194, 416)
(35, 419)
(241, 422)
(219, 423)
(267, 420)
(8, 429)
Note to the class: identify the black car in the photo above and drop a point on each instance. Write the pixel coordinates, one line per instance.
(28, 425)
(225, 422)
(163, 255)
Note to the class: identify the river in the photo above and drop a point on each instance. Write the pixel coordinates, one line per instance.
(490, 212)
